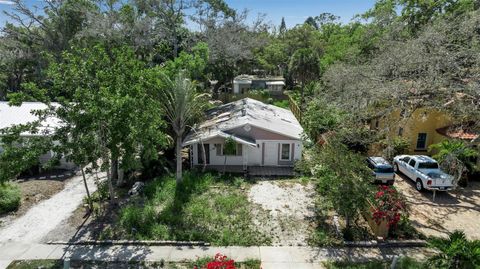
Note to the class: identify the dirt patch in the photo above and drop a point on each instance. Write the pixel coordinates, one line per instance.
(455, 210)
(33, 192)
(285, 210)
(82, 225)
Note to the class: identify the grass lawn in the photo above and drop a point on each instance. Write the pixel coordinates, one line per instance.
(403, 263)
(203, 208)
(34, 264)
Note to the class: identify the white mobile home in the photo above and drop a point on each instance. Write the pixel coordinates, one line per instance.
(26, 113)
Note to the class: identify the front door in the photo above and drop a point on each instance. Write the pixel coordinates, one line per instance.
(200, 153)
(270, 154)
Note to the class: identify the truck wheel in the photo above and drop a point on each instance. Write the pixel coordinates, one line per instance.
(419, 185)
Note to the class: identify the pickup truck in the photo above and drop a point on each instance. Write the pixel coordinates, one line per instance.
(424, 171)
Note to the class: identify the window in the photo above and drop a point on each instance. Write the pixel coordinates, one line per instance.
(238, 150)
(406, 159)
(384, 169)
(285, 154)
(422, 141)
(428, 165)
(412, 163)
(400, 131)
(370, 165)
(218, 148)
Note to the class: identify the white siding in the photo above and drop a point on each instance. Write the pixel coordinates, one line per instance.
(254, 155)
(251, 155)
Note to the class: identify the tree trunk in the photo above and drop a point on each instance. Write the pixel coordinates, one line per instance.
(121, 177)
(347, 222)
(114, 169)
(225, 164)
(86, 188)
(178, 153)
(204, 154)
(302, 99)
(110, 186)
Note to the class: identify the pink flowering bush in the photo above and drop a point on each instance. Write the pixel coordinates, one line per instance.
(388, 205)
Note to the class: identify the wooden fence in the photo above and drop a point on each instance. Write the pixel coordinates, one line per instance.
(295, 108)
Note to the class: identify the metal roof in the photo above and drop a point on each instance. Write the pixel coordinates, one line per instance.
(25, 113)
(282, 83)
(245, 112)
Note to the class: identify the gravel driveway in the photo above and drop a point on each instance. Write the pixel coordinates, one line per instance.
(46, 215)
(456, 210)
(286, 211)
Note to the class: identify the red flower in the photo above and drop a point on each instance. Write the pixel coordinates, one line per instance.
(220, 262)
(379, 194)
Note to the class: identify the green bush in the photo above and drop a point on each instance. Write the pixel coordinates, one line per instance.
(10, 197)
(282, 103)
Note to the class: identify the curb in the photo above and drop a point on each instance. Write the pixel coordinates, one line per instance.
(386, 244)
(56, 176)
(130, 243)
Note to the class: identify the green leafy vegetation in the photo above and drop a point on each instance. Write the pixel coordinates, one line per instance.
(342, 173)
(35, 264)
(10, 197)
(455, 252)
(403, 263)
(456, 157)
(201, 208)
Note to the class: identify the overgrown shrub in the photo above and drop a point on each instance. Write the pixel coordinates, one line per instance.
(10, 197)
(342, 173)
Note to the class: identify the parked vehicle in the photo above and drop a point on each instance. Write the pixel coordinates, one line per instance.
(382, 170)
(424, 171)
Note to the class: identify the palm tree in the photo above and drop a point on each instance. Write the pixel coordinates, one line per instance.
(455, 252)
(455, 156)
(182, 105)
(304, 66)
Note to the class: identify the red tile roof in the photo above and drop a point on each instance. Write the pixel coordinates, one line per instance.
(459, 131)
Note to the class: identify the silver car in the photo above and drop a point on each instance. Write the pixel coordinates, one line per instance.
(382, 170)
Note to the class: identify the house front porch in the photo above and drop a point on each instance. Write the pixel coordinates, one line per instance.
(254, 171)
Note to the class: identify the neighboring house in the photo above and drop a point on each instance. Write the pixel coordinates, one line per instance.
(465, 132)
(267, 137)
(243, 83)
(25, 113)
(419, 128)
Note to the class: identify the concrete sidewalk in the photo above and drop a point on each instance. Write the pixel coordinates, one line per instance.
(271, 257)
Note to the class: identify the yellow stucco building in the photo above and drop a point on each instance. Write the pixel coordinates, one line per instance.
(419, 128)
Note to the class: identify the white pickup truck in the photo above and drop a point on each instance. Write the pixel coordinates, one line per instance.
(424, 171)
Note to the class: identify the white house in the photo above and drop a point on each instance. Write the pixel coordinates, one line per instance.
(24, 114)
(266, 136)
(243, 83)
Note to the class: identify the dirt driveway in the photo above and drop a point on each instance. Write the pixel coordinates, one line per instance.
(43, 217)
(456, 210)
(289, 208)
